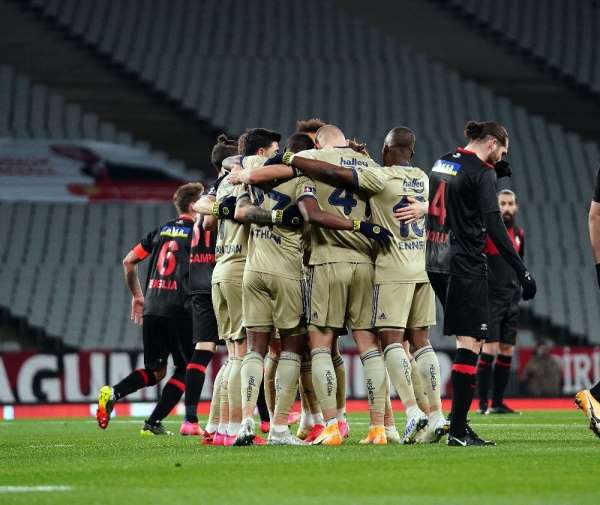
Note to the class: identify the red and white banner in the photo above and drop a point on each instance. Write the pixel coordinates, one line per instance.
(29, 378)
(82, 170)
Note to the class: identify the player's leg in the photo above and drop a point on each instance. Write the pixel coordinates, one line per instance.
(234, 390)
(465, 316)
(221, 435)
(271, 363)
(588, 400)
(205, 339)
(212, 423)
(389, 421)
(153, 372)
(417, 382)
(485, 365)
(181, 346)
(340, 397)
(311, 422)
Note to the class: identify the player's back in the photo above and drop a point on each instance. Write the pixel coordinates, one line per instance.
(405, 260)
(335, 246)
(232, 240)
(202, 258)
(167, 282)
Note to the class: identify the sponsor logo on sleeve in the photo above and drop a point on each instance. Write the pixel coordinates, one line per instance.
(446, 167)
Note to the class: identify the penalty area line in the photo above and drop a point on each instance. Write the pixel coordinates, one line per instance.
(34, 489)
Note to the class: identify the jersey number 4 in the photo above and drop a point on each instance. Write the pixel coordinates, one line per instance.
(343, 198)
(437, 206)
(167, 261)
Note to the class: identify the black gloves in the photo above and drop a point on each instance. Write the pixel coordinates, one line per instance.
(225, 209)
(373, 231)
(598, 273)
(528, 284)
(290, 217)
(502, 169)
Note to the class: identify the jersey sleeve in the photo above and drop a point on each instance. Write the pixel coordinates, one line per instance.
(214, 188)
(305, 188)
(596, 196)
(369, 179)
(143, 249)
(487, 192)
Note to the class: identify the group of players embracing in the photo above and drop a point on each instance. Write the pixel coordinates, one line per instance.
(310, 243)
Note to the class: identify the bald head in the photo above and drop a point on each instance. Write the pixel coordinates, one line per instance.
(398, 146)
(330, 136)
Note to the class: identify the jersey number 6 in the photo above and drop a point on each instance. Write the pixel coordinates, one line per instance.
(167, 261)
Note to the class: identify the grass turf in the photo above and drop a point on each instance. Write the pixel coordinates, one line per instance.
(542, 457)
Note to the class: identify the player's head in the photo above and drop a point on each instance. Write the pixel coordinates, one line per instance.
(488, 138)
(186, 196)
(309, 126)
(509, 206)
(298, 142)
(262, 142)
(398, 146)
(330, 136)
(224, 148)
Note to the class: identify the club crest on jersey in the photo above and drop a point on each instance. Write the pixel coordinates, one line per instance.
(175, 231)
(309, 189)
(416, 185)
(446, 167)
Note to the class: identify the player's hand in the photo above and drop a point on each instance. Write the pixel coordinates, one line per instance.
(290, 217)
(137, 309)
(502, 169)
(237, 176)
(375, 232)
(225, 209)
(412, 212)
(598, 273)
(528, 284)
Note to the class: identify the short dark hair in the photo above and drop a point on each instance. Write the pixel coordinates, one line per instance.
(186, 194)
(480, 130)
(508, 192)
(224, 148)
(311, 125)
(299, 142)
(257, 138)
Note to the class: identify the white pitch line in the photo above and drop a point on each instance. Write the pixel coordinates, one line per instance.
(34, 489)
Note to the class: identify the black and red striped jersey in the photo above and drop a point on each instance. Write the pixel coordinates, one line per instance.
(202, 258)
(167, 283)
(501, 276)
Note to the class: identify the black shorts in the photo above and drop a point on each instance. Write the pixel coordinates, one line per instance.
(167, 335)
(504, 317)
(439, 283)
(466, 310)
(203, 316)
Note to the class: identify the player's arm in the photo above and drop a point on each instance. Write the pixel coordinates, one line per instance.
(133, 257)
(488, 205)
(313, 214)
(204, 207)
(248, 212)
(326, 172)
(266, 173)
(412, 212)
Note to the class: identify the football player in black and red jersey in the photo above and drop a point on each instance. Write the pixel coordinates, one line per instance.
(504, 295)
(161, 310)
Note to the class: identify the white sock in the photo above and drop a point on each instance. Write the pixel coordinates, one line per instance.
(280, 429)
(331, 421)
(341, 414)
(306, 420)
(233, 428)
(211, 427)
(413, 411)
(222, 428)
(318, 419)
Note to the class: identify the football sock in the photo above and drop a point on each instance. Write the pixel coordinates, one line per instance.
(463, 385)
(399, 370)
(286, 380)
(340, 375)
(261, 404)
(251, 379)
(137, 379)
(427, 364)
(307, 385)
(595, 391)
(269, 382)
(418, 386)
(234, 392)
(484, 376)
(195, 373)
(215, 404)
(375, 384)
(169, 397)
(223, 399)
(324, 381)
(501, 376)
(388, 419)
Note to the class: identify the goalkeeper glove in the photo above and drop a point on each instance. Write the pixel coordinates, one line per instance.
(290, 217)
(373, 231)
(225, 209)
(502, 169)
(528, 284)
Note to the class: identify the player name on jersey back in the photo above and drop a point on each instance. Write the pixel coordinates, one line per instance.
(405, 259)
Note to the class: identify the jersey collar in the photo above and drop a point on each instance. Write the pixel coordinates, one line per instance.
(185, 216)
(466, 151)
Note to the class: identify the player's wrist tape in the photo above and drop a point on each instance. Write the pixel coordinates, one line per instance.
(276, 216)
(356, 225)
(288, 156)
(215, 209)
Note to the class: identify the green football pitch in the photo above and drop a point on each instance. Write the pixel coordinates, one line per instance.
(542, 457)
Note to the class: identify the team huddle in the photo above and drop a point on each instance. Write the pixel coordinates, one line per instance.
(287, 252)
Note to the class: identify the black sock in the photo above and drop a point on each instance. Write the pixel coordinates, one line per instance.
(595, 391)
(261, 404)
(501, 375)
(137, 379)
(463, 385)
(194, 381)
(484, 375)
(169, 397)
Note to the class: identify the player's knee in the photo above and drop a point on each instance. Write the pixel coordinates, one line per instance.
(159, 373)
(506, 349)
